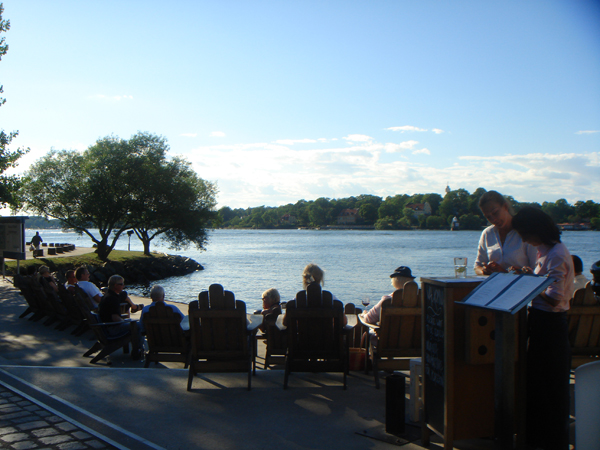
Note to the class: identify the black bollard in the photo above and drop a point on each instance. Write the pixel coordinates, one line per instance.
(395, 404)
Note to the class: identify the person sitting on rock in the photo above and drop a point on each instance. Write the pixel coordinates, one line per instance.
(157, 294)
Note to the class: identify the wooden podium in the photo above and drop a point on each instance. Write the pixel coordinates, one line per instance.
(458, 393)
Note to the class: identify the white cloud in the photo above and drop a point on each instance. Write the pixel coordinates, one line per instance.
(404, 128)
(281, 172)
(437, 130)
(394, 148)
(423, 151)
(588, 132)
(358, 138)
(295, 141)
(217, 134)
(189, 134)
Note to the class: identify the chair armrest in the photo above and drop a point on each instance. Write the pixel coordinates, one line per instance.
(367, 324)
(101, 324)
(253, 321)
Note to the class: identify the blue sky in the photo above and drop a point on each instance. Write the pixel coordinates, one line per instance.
(278, 101)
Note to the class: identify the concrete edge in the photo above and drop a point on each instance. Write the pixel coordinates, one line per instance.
(92, 424)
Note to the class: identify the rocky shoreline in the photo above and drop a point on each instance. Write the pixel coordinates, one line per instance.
(136, 271)
(144, 270)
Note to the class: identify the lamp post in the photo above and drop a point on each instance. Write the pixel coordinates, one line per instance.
(129, 233)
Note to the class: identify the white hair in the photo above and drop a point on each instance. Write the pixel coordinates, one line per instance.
(157, 292)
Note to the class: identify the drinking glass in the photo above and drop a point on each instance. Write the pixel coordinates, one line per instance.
(366, 301)
(460, 267)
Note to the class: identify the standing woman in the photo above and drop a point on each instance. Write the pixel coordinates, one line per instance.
(500, 246)
(549, 352)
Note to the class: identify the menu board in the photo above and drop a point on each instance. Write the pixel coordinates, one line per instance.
(12, 237)
(433, 371)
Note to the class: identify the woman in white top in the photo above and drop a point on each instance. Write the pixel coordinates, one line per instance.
(500, 247)
(549, 351)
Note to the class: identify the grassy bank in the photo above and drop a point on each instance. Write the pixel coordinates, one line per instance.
(68, 262)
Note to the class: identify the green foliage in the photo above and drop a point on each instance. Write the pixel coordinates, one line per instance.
(116, 185)
(9, 184)
(470, 222)
(392, 213)
(39, 223)
(435, 222)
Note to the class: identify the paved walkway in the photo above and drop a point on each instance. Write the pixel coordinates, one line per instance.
(24, 424)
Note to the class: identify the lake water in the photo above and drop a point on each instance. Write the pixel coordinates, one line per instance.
(356, 263)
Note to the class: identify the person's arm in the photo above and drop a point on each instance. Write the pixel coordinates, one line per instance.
(96, 299)
(372, 316)
(557, 268)
(482, 257)
(53, 286)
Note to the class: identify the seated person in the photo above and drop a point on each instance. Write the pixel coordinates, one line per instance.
(71, 279)
(44, 272)
(314, 274)
(157, 295)
(109, 310)
(400, 276)
(82, 276)
(580, 279)
(271, 304)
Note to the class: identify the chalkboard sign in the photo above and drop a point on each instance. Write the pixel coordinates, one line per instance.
(433, 310)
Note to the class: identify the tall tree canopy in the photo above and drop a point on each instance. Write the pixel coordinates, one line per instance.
(116, 185)
(9, 184)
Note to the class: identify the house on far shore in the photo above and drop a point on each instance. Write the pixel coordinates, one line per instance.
(582, 226)
(288, 219)
(347, 217)
(420, 209)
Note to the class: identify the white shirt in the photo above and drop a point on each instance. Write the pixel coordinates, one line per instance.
(580, 282)
(90, 289)
(555, 262)
(514, 252)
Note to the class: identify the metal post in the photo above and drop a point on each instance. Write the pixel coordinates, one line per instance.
(395, 404)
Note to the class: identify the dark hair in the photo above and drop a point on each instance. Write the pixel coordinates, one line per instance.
(70, 273)
(79, 272)
(530, 221)
(492, 196)
(577, 264)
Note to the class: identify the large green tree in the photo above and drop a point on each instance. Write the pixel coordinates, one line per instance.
(9, 184)
(116, 185)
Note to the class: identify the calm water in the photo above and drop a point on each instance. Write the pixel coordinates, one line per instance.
(356, 263)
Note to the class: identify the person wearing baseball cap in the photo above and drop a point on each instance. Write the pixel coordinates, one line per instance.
(400, 276)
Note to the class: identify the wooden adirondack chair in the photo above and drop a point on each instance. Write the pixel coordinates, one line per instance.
(398, 332)
(166, 340)
(356, 338)
(276, 341)
(315, 327)
(584, 326)
(222, 341)
(107, 344)
(34, 306)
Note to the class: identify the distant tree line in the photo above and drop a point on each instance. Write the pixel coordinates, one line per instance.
(398, 212)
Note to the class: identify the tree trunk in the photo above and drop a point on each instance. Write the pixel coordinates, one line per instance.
(146, 243)
(103, 250)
